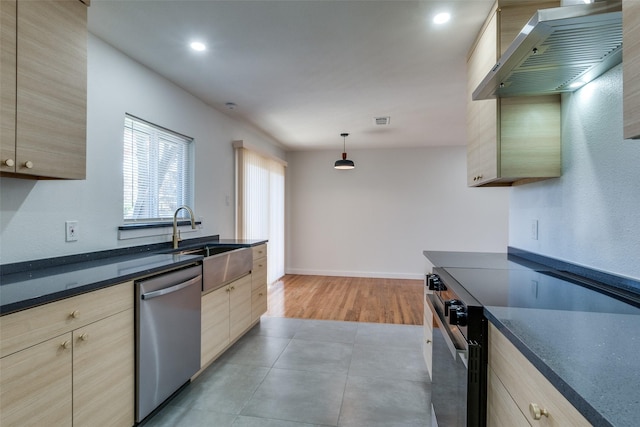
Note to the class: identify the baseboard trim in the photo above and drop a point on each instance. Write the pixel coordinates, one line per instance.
(367, 274)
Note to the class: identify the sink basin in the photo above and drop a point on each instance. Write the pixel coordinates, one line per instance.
(221, 264)
(225, 267)
(205, 251)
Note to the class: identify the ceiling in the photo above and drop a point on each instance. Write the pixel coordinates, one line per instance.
(305, 71)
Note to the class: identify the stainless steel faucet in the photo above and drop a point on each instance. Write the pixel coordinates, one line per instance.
(176, 232)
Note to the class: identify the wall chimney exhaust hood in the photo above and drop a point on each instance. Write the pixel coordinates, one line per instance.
(559, 50)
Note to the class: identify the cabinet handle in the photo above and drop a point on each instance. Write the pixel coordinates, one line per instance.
(537, 412)
(75, 314)
(9, 162)
(260, 265)
(228, 290)
(28, 164)
(427, 341)
(65, 344)
(233, 287)
(84, 337)
(260, 294)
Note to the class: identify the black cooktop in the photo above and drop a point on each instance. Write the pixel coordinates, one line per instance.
(531, 288)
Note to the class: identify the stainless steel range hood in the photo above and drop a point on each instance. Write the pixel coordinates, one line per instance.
(558, 50)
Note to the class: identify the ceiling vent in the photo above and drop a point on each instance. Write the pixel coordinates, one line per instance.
(382, 121)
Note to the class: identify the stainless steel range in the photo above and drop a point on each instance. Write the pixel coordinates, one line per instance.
(459, 372)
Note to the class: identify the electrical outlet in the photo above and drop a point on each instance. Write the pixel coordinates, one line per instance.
(71, 228)
(534, 229)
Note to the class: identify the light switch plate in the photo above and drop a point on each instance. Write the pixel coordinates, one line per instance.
(71, 228)
(534, 229)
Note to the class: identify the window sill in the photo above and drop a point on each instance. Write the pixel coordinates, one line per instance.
(148, 229)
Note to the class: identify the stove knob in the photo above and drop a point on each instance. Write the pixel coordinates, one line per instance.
(458, 316)
(433, 282)
(450, 305)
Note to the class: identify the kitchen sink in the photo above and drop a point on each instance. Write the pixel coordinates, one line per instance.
(206, 251)
(221, 264)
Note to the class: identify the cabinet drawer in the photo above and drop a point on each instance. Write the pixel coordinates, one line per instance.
(258, 302)
(502, 411)
(29, 327)
(259, 273)
(526, 385)
(259, 251)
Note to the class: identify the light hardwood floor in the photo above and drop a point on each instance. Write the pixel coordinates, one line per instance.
(356, 299)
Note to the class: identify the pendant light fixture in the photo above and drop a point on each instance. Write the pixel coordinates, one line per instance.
(344, 163)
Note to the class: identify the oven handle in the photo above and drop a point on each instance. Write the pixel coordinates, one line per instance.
(456, 344)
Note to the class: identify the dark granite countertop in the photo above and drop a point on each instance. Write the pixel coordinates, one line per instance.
(28, 284)
(591, 358)
(584, 341)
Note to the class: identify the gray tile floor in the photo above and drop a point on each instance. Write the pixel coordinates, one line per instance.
(294, 373)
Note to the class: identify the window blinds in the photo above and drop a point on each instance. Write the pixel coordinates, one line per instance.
(261, 208)
(157, 171)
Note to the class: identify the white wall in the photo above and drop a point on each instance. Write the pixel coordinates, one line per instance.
(375, 220)
(589, 216)
(33, 213)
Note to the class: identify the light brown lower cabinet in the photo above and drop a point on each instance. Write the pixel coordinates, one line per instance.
(35, 385)
(80, 376)
(239, 306)
(225, 316)
(214, 324)
(517, 390)
(259, 282)
(103, 372)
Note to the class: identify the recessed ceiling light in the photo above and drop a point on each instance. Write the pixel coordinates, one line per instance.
(198, 46)
(441, 18)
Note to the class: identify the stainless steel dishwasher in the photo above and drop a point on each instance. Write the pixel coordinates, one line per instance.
(168, 335)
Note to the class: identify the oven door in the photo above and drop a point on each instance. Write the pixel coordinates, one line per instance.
(449, 378)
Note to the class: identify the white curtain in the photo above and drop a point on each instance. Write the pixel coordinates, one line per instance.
(261, 205)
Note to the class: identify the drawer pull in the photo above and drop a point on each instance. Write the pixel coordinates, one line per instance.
(75, 314)
(65, 344)
(537, 412)
(233, 287)
(9, 162)
(84, 337)
(228, 290)
(427, 341)
(260, 294)
(28, 164)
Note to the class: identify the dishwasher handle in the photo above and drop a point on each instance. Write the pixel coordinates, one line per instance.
(169, 290)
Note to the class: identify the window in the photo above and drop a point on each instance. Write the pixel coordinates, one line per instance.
(157, 171)
(261, 205)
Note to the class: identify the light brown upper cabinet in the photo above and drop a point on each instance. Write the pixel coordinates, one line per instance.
(510, 140)
(43, 88)
(631, 67)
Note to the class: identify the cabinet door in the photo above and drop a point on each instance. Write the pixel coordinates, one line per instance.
(214, 327)
(427, 345)
(51, 95)
(35, 385)
(7, 85)
(631, 67)
(239, 306)
(482, 116)
(103, 372)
